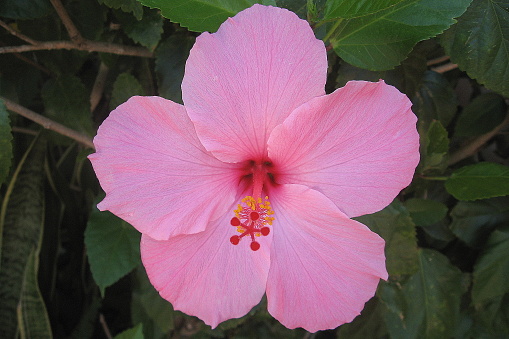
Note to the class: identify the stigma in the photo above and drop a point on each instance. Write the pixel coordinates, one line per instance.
(252, 219)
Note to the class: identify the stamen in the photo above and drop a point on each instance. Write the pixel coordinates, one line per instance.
(252, 218)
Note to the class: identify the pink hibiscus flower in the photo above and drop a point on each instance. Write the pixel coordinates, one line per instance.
(249, 187)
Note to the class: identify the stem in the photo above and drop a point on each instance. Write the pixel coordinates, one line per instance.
(105, 327)
(73, 32)
(332, 30)
(472, 147)
(30, 62)
(437, 60)
(48, 123)
(99, 84)
(444, 68)
(434, 178)
(17, 34)
(86, 45)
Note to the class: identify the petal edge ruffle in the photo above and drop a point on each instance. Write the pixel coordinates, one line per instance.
(156, 174)
(246, 78)
(358, 145)
(204, 275)
(324, 266)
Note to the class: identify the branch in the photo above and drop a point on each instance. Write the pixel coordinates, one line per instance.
(99, 84)
(445, 68)
(437, 60)
(86, 45)
(105, 327)
(73, 32)
(472, 147)
(18, 34)
(48, 123)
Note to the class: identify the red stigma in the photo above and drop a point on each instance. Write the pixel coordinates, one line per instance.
(235, 239)
(255, 246)
(252, 219)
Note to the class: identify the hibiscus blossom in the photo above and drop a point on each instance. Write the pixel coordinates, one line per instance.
(250, 187)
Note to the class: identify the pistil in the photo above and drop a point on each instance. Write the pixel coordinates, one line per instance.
(252, 218)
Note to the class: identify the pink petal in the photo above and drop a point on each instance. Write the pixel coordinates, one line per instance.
(156, 174)
(324, 266)
(359, 146)
(248, 77)
(204, 275)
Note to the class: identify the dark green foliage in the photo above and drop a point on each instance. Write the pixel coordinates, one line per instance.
(21, 226)
(5, 143)
(24, 9)
(479, 181)
(435, 100)
(207, 15)
(473, 221)
(483, 114)
(427, 305)
(171, 56)
(113, 248)
(395, 225)
(124, 87)
(147, 31)
(379, 37)
(479, 43)
(352, 8)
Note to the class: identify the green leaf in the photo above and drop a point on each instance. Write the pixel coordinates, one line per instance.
(355, 8)
(124, 87)
(147, 31)
(206, 15)
(171, 56)
(490, 292)
(479, 43)
(369, 324)
(34, 322)
(5, 143)
(299, 7)
(426, 212)
(480, 116)
(395, 226)
(24, 9)
(66, 101)
(133, 333)
(148, 307)
(21, 223)
(128, 6)
(435, 100)
(381, 40)
(493, 315)
(473, 221)
(405, 77)
(427, 305)
(435, 149)
(479, 181)
(491, 271)
(113, 248)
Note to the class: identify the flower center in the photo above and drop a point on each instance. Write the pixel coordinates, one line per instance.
(252, 218)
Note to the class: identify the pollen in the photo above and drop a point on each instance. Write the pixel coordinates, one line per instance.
(252, 218)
